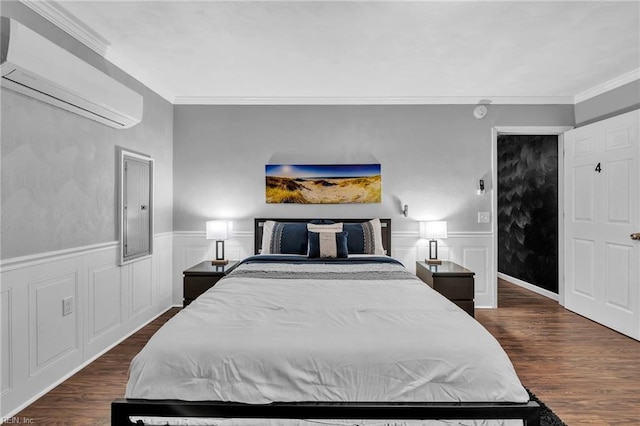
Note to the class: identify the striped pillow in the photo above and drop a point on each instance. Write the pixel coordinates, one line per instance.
(365, 237)
(327, 244)
(284, 238)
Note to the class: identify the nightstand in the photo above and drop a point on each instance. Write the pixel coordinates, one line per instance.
(202, 277)
(451, 280)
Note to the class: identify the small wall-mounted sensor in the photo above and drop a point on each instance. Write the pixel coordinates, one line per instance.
(405, 210)
(480, 111)
(481, 187)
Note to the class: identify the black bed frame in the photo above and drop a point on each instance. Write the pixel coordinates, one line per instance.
(122, 409)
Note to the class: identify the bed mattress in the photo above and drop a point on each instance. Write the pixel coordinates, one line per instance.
(299, 331)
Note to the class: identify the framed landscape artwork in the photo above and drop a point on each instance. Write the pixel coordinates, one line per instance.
(323, 184)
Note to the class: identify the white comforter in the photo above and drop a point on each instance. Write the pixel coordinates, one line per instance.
(258, 340)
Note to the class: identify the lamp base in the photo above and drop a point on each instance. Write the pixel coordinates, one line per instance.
(220, 261)
(433, 261)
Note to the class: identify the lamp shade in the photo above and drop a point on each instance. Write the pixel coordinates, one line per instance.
(219, 230)
(433, 230)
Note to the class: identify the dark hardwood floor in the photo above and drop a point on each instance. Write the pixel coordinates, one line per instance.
(586, 373)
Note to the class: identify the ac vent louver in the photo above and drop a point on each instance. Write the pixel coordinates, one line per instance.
(36, 67)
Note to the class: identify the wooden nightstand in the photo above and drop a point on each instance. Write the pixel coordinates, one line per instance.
(451, 280)
(202, 277)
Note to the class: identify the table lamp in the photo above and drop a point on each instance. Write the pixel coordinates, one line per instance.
(219, 230)
(433, 231)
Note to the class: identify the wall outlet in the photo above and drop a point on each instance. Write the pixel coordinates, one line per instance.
(484, 217)
(67, 306)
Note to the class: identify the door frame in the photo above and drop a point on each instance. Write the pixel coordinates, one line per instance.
(124, 155)
(528, 130)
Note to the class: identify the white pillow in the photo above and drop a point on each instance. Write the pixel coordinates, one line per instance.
(267, 231)
(377, 237)
(331, 227)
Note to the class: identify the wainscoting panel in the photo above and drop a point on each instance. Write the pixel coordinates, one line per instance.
(5, 342)
(406, 247)
(476, 258)
(52, 334)
(140, 285)
(406, 255)
(163, 265)
(41, 346)
(105, 300)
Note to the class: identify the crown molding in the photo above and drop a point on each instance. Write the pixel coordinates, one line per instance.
(374, 100)
(68, 23)
(614, 83)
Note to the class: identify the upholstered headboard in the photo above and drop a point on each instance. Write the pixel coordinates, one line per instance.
(259, 226)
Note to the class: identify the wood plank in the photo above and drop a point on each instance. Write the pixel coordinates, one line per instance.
(587, 373)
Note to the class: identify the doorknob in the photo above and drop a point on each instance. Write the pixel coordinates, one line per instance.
(635, 236)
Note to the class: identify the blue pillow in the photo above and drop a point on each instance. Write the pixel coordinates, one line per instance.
(289, 238)
(361, 238)
(328, 244)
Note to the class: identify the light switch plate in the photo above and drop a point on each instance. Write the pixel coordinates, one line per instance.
(484, 217)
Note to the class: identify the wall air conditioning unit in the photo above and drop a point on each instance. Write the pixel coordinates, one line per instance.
(36, 67)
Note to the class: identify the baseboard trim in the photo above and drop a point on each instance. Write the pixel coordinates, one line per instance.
(528, 286)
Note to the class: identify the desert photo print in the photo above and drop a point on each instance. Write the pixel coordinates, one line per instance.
(323, 184)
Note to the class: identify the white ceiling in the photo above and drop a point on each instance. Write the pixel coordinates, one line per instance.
(363, 51)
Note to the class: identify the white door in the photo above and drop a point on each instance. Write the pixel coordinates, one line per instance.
(602, 210)
(137, 207)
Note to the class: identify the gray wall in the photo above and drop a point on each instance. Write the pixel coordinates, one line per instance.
(59, 169)
(432, 157)
(614, 102)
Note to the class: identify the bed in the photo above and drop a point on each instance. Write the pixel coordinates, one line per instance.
(328, 329)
